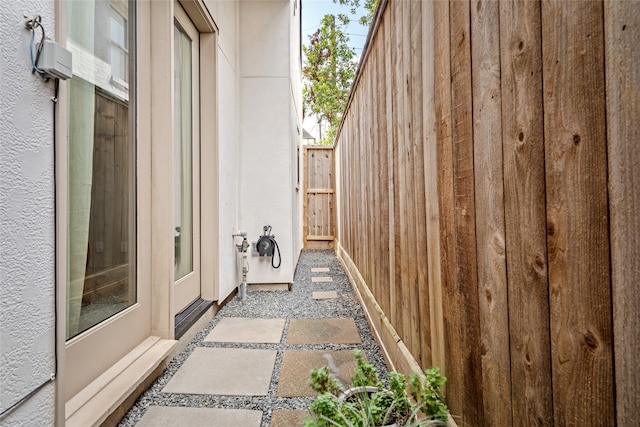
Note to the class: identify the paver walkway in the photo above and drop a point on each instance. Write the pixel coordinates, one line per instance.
(250, 366)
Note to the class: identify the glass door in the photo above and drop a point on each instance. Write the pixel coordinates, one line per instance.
(107, 311)
(186, 162)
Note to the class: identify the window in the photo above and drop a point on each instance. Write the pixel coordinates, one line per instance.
(119, 46)
(101, 175)
(183, 153)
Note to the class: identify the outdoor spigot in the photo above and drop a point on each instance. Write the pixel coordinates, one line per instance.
(243, 246)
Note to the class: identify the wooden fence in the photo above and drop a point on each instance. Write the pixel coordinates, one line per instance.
(319, 197)
(488, 185)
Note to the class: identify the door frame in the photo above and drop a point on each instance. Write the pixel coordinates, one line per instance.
(155, 250)
(161, 107)
(97, 341)
(187, 286)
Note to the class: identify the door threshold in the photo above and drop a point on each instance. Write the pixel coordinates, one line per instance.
(190, 315)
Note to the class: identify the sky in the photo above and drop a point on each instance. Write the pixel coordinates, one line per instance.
(312, 13)
(314, 10)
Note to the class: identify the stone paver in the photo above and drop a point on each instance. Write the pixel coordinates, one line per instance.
(227, 376)
(224, 371)
(288, 418)
(172, 416)
(297, 365)
(240, 329)
(325, 295)
(339, 330)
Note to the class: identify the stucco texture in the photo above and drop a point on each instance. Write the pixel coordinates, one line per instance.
(27, 222)
(268, 135)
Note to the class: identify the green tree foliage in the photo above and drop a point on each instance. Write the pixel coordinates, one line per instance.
(353, 5)
(330, 67)
(328, 73)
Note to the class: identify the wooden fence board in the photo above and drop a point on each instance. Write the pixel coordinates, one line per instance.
(525, 217)
(365, 183)
(423, 316)
(577, 213)
(372, 166)
(396, 26)
(400, 178)
(622, 65)
(489, 209)
(465, 288)
(353, 135)
(379, 171)
(368, 192)
(432, 204)
(363, 192)
(443, 106)
(346, 229)
(388, 26)
(384, 170)
(411, 330)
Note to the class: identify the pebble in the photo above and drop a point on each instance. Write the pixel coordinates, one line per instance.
(295, 304)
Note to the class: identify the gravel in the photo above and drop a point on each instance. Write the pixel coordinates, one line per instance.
(294, 304)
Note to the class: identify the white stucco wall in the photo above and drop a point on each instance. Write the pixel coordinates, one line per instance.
(225, 14)
(258, 109)
(27, 273)
(267, 183)
(267, 135)
(295, 63)
(296, 126)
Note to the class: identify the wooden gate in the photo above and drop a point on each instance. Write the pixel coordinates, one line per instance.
(319, 197)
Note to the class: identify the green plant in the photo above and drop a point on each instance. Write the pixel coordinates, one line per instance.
(365, 374)
(321, 381)
(428, 391)
(417, 401)
(326, 407)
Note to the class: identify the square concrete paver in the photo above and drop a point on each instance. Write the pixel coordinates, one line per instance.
(320, 270)
(325, 295)
(224, 371)
(321, 279)
(171, 416)
(288, 418)
(240, 329)
(335, 330)
(297, 364)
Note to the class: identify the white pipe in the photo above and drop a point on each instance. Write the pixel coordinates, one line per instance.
(242, 288)
(239, 233)
(245, 270)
